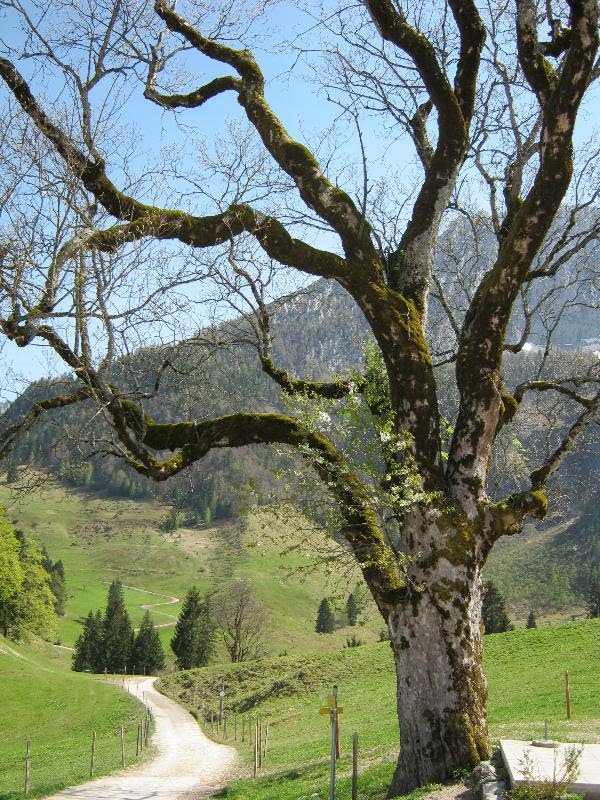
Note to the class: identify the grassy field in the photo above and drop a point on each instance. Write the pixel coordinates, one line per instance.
(58, 710)
(525, 670)
(537, 569)
(99, 540)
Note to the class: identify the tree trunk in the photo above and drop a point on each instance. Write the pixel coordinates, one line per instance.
(442, 690)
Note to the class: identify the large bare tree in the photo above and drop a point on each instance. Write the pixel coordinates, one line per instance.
(96, 255)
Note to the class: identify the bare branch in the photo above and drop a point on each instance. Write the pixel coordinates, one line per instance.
(591, 414)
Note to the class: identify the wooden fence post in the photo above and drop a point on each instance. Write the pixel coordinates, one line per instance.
(266, 741)
(122, 748)
(255, 753)
(93, 761)
(259, 731)
(355, 766)
(27, 759)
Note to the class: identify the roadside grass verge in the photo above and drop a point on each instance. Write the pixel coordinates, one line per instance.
(525, 670)
(58, 710)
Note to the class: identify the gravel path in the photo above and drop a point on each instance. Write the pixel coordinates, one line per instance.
(188, 765)
(170, 601)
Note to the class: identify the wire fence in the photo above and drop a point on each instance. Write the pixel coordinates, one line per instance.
(39, 764)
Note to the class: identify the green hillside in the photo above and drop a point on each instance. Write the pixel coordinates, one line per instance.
(525, 670)
(99, 540)
(58, 710)
(547, 568)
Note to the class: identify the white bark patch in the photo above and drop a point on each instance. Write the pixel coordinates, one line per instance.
(583, 29)
(331, 201)
(522, 246)
(563, 123)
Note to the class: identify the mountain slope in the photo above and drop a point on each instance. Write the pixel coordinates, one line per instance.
(99, 540)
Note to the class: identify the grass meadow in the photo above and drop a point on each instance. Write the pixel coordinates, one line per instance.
(57, 709)
(99, 540)
(525, 670)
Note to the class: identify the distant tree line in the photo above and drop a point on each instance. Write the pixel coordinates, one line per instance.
(233, 615)
(32, 586)
(109, 643)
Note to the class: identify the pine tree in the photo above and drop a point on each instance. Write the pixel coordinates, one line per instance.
(59, 588)
(325, 617)
(593, 598)
(493, 611)
(193, 640)
(118, 632)
(89, 648)
(351, 609)
(98, 647)
(148, 655)
(56, 572)
(531, 621)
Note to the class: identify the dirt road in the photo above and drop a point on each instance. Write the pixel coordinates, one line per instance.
(188, 765)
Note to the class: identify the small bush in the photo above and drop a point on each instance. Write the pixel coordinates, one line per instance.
(353, 641)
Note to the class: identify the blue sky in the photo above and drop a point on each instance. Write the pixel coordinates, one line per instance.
(300, 105)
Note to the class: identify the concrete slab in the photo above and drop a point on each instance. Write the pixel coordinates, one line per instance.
(548, 761)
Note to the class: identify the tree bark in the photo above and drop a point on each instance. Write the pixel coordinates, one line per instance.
(436, 637)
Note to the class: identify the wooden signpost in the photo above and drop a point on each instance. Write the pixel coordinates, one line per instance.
(333, 711)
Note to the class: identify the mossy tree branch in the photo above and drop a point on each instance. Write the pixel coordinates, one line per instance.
(10, 434)
(482, 340)
(261, 322)
(193, 440)
(552, 386)
(193, 99)
(331, 203)
(149, 221)
(538, 70)
(409, 267)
